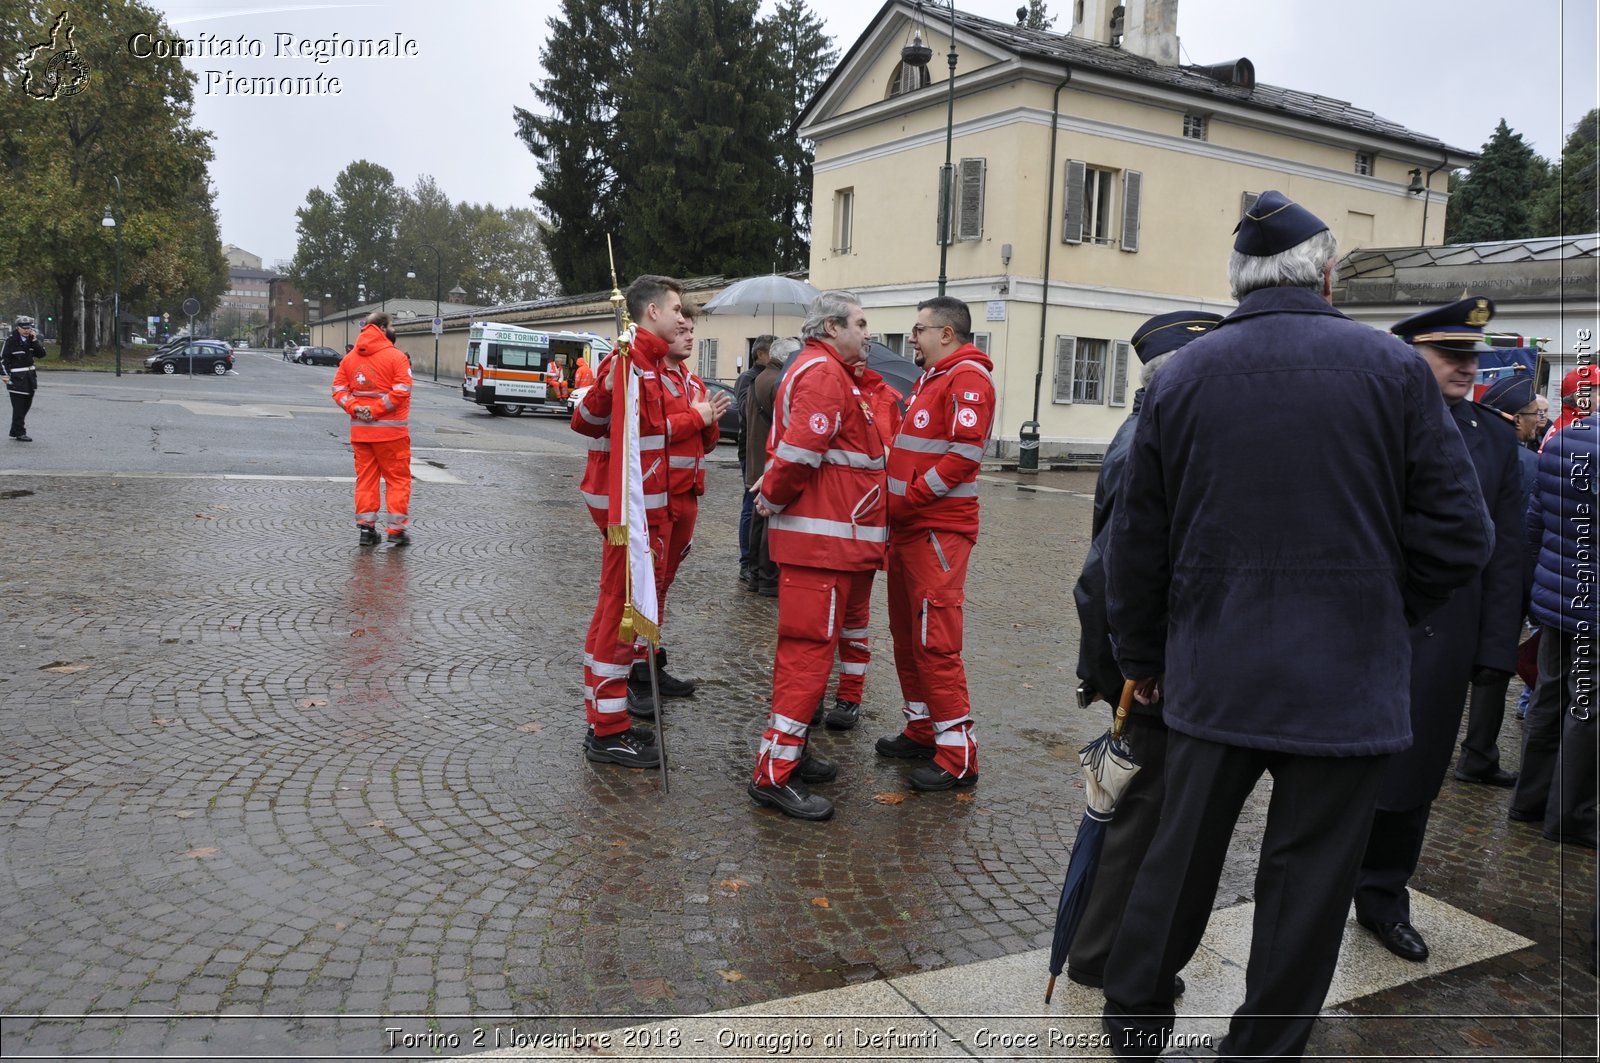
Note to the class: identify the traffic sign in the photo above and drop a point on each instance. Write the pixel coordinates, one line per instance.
(191, 306)
(438, 326)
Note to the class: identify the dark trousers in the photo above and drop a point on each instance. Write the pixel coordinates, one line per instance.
(19, 412)
(1317, 825)
(762, 566)
(1127, 839)
(746, 511)
(1391, 858)
(1558, 778)
(1480, 749)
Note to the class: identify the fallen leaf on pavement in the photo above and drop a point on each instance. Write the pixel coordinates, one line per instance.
(64, 668)
(734, 884)
(531, 728)
(201, 850)
(619, 844)
(820, 902)
(965, 797)
(159, 722)
(184, 814)
(1027, 686)
(731, 976)
(377, 823)
(890, 798)
(202, 516)
(313, 703)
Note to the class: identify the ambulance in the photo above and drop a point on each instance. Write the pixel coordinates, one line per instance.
(511, 369)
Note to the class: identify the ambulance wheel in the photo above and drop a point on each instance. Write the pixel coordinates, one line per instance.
(513, 409)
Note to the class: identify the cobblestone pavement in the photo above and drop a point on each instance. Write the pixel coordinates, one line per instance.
(266, 793)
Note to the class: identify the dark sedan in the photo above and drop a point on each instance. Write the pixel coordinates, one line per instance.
(732, 421)
(205, 356)
(317, 356)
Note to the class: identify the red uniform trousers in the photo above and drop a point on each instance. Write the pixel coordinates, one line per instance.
(606, 659)
(810, 616)
(387, 461)
(927, 577)
(855, 652)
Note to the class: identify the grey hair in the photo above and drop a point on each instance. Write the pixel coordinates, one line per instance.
(829, 306)
(1301, 266)
(1148, 373)
(782, 350)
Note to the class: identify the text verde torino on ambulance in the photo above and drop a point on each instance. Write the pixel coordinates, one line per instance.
(510, 369)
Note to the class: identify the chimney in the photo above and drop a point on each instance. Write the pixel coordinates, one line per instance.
(1151, 30)
(1091, 20)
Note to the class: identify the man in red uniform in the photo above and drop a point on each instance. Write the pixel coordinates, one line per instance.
(933, 508)
(690, 437)
(823, 497)
(656, 306)
(373, 385)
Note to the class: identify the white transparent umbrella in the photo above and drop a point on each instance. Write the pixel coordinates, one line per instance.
(770, 295)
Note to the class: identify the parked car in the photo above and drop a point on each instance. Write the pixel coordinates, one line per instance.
(732, 421)
(317, 356)
(207, 355)
(137, 340)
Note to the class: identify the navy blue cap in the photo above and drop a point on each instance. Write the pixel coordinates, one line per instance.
(1273, 224)
(1168, 332)
(1456, 328)
(1510, 393)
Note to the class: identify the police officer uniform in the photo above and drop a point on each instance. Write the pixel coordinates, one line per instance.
(1473, 633)
(21, 379)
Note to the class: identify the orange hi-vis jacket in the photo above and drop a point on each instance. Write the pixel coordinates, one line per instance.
(376, 374)
(933, 466)
(582, 375)
(689, 439)
(592, 418)
(825, 477)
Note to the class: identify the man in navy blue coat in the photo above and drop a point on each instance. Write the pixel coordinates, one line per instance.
(1472, 638)
(1262, 572)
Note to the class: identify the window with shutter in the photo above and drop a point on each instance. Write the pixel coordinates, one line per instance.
(896, 342)
(944, 226)
(708, 359)
(1089, 371)
(1072, 203)
(844, 209)
(1132, 182)
(1066, 351)
(1246, 201)
(969, 216)
(1119, 372)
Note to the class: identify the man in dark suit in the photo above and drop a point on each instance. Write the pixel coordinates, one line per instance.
(1471, 638)
(1267, 591)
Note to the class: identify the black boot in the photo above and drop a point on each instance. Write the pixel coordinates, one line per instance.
(792, 799)
(845, 714)
(369, 535)
(671, 686)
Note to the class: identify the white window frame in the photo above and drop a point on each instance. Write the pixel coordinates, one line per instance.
(708, 359)
(980, 340)
(1089, 371)
(1366, 161)
(844, 207)
(1098, 207)
(895, 341)
(1196, 126)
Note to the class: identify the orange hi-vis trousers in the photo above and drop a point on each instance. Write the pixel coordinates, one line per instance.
(387, 462)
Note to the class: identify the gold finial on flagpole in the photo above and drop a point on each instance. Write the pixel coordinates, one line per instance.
(618, 310)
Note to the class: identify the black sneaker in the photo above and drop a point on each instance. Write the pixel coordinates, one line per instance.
(639, 703)
(399, 538)
(621, 749)
(815, 769)
(369, 534)
(845, 714)
(642, 735)
(23, 438)
(901, 746)
(933, 777)
(792, 799)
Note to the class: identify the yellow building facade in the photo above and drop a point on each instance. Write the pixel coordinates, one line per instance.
(1096, 183)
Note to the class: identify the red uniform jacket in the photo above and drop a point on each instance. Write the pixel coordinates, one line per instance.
(592, 418)
(689, 439)
(934, 464)
(825, 479)
(376, 374)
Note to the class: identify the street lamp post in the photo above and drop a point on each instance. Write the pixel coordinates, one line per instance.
(115, 222)
(438, 273)
(947, 175)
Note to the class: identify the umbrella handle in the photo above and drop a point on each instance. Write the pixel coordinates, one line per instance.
(1120, 720)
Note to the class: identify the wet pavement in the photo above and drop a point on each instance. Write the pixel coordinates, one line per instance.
(266, 793)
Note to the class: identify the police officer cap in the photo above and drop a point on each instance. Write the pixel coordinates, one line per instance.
(1273, 224)
(23, 321)
(1510, 393)
(1456, 328)
(1168, 332)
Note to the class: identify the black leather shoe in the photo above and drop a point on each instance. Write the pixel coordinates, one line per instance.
(369, 535)
(845, 715)
(904, 748)
(642, 735)
(621, 749)
(815, 769)
(399, 538)
(639, 706)
(671, 686)
(1098, 981)
(1497, 777)
(792, 799)
(1521, 815)
(933, 777)
(767, 590)
(23, 438)
(1401, 939)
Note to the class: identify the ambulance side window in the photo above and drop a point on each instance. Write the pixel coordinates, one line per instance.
(514, 357)
(472, 354)
(494, 356)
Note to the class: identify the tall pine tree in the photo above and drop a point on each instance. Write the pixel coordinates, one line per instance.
(584, 173)
(1496, 200)
(801, 56)
(1571, 202)
(699, 118)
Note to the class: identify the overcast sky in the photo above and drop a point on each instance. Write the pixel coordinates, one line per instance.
(1447, 68)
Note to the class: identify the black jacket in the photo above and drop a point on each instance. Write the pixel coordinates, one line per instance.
(19, 354)
(1296, 494)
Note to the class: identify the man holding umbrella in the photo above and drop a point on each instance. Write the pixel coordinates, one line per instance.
(1267, 593)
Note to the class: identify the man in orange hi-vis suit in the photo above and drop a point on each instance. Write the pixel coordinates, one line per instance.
(373, 385)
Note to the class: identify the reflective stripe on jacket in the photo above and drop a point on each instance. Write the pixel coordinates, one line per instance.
(375, 374)
(592, 418)
(934, 464)
(826, 475)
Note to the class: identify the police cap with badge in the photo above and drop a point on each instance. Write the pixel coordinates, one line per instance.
(1167, 332)
(1456, 329)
